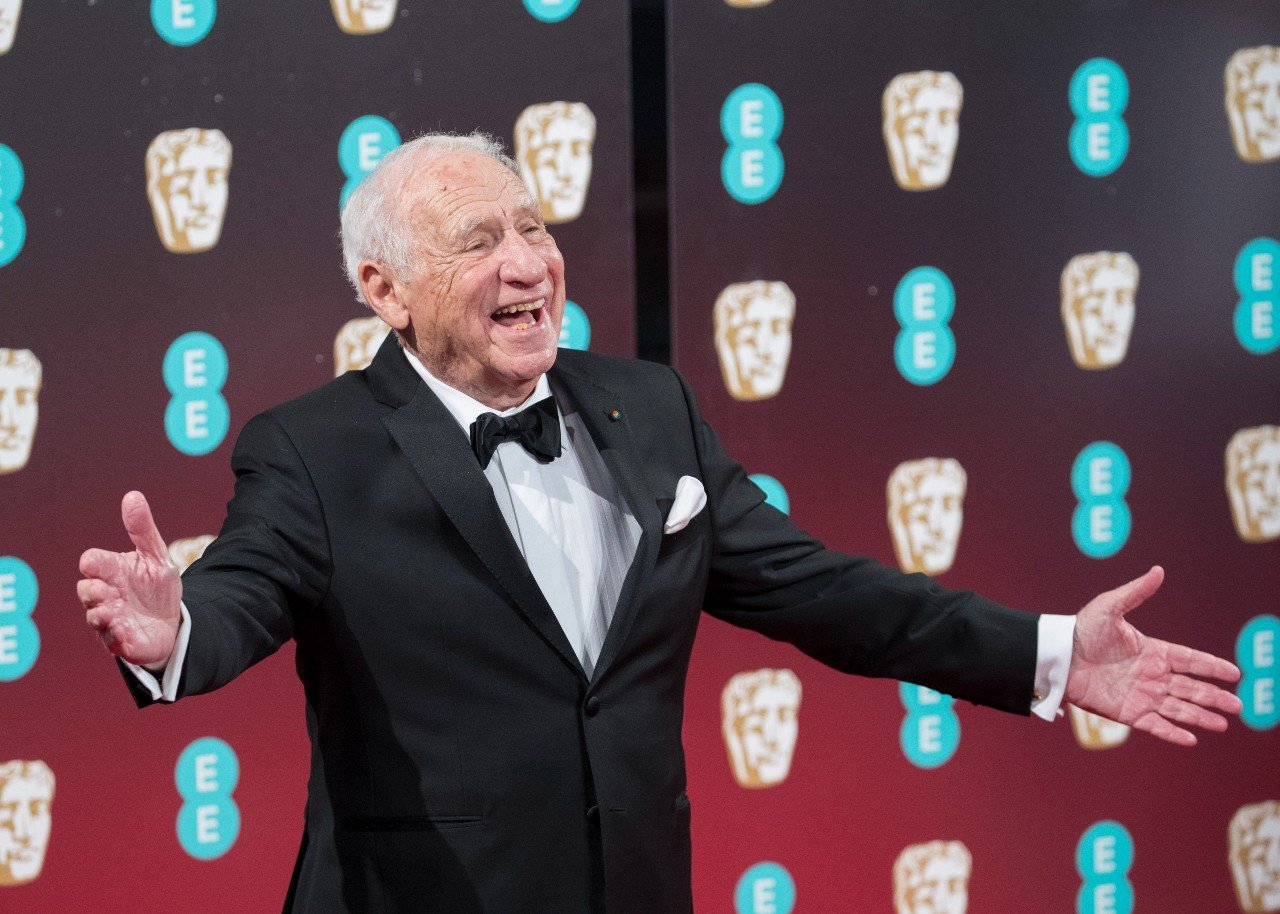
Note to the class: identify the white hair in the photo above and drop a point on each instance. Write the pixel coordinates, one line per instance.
(373, 226)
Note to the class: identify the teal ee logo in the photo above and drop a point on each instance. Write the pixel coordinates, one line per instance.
(930, 732)
(751, 121)
(1099, 139)
(1256, 326)
(550, 10)
(924, 303)
(19, 637)
(774, 493)
(183, 22)
(197, 417)
(361, 147)
(575, 329)
(209, 820)
(1100, 480)
(1258, 659)
(1103, 858)
(13, 225)
(766, 888)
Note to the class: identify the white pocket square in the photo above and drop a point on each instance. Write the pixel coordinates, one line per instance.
(691, 498)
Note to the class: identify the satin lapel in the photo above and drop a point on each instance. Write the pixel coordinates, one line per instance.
(429, 436)
(614, 441)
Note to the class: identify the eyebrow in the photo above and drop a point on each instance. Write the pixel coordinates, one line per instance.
(525, 209)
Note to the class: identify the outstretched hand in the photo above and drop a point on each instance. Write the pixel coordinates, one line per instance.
(1121, 674)
(133, 599)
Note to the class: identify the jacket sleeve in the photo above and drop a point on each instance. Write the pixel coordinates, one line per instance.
(851, 612)
(270, 561)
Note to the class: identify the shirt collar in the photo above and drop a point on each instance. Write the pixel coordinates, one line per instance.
(463, 408)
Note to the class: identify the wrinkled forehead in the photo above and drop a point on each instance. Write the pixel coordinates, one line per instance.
(453, 192)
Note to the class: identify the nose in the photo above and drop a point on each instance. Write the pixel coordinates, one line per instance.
(8, 410)
(1271, 105)
(22, 823)
(200, 190)
(521, 264)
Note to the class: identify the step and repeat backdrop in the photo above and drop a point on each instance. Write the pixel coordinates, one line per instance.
(170, 180)
(987, 291)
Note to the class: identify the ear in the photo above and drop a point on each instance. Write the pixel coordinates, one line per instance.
(382, 293)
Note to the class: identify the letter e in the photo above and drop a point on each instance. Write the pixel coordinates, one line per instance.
(930, 732)
(924, 350)
(8, 644)
(752, 162)
(1260, 275)
(1099, 141)
(764, 897)
(1104, 854)
(8, 592)
(1264, 696)
(194, 368)
(1099, 92)
(207, 824)
(751, 118)
(182, 18)
(206, 773)
(1264, 648)
(1263, 324)
(1104, 898)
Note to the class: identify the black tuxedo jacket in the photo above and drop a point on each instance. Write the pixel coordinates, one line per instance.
(461, 760)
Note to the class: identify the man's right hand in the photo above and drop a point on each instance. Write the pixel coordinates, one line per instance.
(133, 599)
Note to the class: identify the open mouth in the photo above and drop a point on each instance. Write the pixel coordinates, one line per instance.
(524, 316)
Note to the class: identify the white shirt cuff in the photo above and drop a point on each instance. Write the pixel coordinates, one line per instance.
(166, 688)
(1056, 637)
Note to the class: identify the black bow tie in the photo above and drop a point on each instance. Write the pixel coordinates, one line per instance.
(537, 428)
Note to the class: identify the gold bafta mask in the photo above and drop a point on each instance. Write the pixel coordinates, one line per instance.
(1098, 292)
(26, 819)
(1255, 856)
(753, 337)
(185, 551)
(553, 150)
(356, 344)
(1095, 732)
(1253, 482)
(187, 173)
(932, 878)
(1253, 103)
(926, 509)
(760, 721)
(20, 375)
(364, 17)
(922, 127)
(10, 10)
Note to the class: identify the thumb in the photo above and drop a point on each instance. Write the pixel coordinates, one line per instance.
(141, 527)
(1132, 595)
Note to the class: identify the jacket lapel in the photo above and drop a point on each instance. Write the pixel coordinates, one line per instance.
(598, 406)
(441, 456)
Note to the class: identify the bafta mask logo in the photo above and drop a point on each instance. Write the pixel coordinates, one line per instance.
(932, 878)
(760, 721)
(20, 375)
(26, 819)
(10, 10)
(753, 337)
(1094, 732)
(922, 127)
(185, 551)
(356, 344)
(1255, 856)
(364, 17)
(926, 509)
(1253, 103)
(187, 173)
(1098, 292)
(1253, 482)
(553, 150)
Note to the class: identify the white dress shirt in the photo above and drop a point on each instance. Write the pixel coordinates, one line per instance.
(579, 538)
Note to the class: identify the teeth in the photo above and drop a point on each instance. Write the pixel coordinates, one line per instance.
(527, 306)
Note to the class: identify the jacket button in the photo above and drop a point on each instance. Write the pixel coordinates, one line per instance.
(593, 706)
(593, 814)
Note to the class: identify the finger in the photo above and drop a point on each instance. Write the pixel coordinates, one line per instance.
(92, 591)
(1184, 659)
(1205, 695)
(1157, 726)
(1132, 595)
(1191, 715)
(99, 563)
(141, 527)
(100, 618)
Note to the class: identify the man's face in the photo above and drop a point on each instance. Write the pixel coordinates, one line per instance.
(1255, 486)
(25, 824)
(190, 196)
(761, 710)
(932, 878)
(1255, 109)
(929, 516)
(9, 11)
(483, 248)
(357, 342)
(19, 393)
(1258, 862)
(927, 130)
(1100, 317)
(364, 17)
(753, 337)
(557, 163)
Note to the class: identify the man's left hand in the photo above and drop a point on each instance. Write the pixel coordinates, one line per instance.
(1121, 674)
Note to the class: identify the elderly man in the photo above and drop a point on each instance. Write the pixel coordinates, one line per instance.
(493, 557)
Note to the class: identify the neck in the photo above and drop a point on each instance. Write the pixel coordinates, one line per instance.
(498, 396)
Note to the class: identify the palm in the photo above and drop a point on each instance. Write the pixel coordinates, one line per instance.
(132, 599)
(1121, 674)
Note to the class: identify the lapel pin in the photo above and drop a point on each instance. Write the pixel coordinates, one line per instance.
(615, 415)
